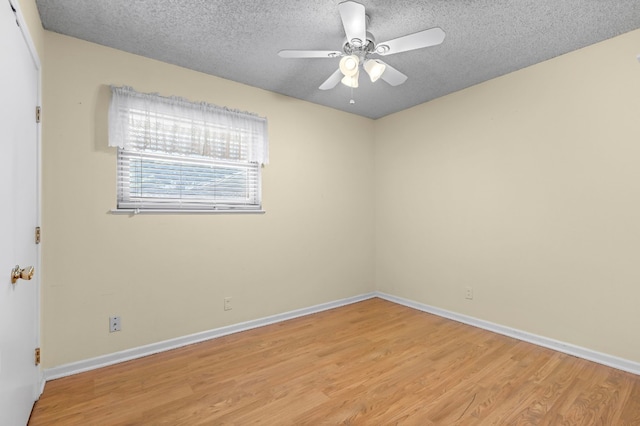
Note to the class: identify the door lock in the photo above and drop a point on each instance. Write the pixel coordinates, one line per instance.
(18, 273)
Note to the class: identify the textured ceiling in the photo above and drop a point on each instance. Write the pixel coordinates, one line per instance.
(239, 40)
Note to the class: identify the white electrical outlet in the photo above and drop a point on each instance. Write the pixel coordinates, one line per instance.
(114, 324)
(468, 293)
(227, 304)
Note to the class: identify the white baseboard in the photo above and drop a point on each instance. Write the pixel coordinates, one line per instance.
(556, 345)
(142, 351)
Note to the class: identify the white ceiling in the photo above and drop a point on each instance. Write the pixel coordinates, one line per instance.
(239, 40)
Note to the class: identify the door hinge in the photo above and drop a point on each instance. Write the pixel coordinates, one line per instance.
(37, 356)
(38, 111)
(38, 235)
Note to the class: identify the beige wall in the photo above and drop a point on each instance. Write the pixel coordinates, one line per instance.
(526, 188)
(167, 275)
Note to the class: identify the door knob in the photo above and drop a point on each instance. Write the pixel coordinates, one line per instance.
(18, 273)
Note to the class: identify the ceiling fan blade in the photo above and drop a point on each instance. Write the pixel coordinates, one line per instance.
(332, 81)
(392, 75)
(309, 54)
(353, 20)
(426, 38)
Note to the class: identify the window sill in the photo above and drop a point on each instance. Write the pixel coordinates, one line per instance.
(133, 212)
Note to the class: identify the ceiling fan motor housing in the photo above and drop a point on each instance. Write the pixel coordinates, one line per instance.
(361, 50)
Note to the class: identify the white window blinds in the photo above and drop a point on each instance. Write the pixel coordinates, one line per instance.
(175, 154)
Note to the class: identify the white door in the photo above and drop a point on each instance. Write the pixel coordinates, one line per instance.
(19, 76)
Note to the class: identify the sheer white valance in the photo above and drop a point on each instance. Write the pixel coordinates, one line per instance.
(172, 125)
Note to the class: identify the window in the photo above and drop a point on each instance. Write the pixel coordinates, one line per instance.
(177, 155)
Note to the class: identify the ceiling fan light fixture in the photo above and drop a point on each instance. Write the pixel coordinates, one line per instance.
(374, 68)
(351, 80)
(349, 65)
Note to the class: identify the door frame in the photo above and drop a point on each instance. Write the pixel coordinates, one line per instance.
(24, 29)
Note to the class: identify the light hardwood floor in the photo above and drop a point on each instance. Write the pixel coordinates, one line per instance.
(372, 362)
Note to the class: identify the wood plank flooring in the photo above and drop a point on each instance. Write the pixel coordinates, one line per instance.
(372, 362)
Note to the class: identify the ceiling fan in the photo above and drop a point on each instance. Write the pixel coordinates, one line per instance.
(360, 49)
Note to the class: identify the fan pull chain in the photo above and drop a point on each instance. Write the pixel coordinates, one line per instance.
(352, 101)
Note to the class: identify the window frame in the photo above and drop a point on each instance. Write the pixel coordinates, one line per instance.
(131, 197)
(172, 173)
